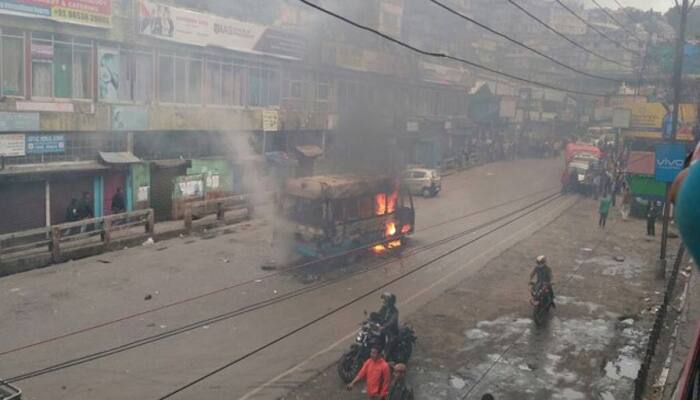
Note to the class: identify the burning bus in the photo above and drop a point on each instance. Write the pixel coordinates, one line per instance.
(342, 214)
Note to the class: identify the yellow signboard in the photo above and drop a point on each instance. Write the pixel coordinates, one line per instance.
(647, 121)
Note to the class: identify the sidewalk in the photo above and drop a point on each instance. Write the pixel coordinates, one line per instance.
(479, 338)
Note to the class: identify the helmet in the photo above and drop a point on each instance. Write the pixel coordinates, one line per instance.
(389, 299)
(541, 260)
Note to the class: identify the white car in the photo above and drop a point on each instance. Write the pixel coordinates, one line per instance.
(423, 181)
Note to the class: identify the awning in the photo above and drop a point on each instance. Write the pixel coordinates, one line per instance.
(123, 157)
(58, 167)
(310, 151)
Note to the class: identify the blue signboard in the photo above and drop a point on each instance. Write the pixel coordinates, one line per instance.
(41, 144)
(669, 161)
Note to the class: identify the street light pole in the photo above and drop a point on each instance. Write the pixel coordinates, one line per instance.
(684, 9)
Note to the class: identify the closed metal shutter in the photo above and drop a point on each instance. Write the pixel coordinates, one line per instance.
(22, 206)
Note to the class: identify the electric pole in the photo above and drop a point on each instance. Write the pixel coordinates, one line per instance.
(677, 82)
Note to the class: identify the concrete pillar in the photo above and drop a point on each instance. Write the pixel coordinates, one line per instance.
(47, 190)
(98, 196)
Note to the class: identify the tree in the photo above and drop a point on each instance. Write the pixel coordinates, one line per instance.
(673, 17)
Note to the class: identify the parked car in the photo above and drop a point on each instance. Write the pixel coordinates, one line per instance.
(425, 182)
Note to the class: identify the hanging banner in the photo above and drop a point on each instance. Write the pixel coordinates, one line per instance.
(108, 74)
(173, 23)
(195, 28)
(12, 145)
(97, 13)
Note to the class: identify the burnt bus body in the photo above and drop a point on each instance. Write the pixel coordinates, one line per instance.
(343, 214)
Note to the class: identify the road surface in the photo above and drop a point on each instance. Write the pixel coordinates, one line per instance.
(79, 295)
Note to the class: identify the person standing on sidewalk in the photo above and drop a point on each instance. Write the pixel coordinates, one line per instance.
(652, 214)
(626, 205)
(375, 372)
(398, 389)
(604, 209)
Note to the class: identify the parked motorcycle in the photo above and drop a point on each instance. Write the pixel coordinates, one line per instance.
(368, 336)
(541, 302)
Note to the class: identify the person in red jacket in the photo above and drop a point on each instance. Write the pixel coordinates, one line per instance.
(376, 373)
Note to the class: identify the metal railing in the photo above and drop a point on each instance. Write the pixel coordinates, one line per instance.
(57, 238)
(218, 207)
(9, 392)
(640, 383)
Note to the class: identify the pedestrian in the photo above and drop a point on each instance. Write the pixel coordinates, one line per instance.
(72, 211)
(596, 186)
(626, 205)
(118, 202)
(652, 214)
(604, 209)
(398, 389)
(375, 372)
(487, 396)
(72, 215)
(85, 209)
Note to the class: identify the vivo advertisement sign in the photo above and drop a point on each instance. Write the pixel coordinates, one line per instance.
(669, 161)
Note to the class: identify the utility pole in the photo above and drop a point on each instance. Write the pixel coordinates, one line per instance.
(684, 10)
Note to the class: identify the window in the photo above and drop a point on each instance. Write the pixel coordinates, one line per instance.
(194, 95)
(82, 72)
(42, 64)
(166, 79)
(135, 76)
(232, 85)
(12, 66)
(263, 88)
(180, 80)
(213, 82)
(61, 67)
(323, 91)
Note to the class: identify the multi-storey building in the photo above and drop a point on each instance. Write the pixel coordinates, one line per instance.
(163, 101)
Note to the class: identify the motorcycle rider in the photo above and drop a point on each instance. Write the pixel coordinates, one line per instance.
(544, 277)
(389, 320)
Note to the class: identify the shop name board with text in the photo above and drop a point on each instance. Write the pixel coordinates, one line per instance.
(97, 13)
(181, 25)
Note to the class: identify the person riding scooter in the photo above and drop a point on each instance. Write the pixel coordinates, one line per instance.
(389, 320)
(544, 277)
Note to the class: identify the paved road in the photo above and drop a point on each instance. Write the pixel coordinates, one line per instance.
(50, 302)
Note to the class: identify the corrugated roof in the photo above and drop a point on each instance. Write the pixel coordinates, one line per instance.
(123, 157)
(56, 167)
(641, 162)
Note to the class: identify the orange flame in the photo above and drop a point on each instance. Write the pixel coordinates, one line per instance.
(380, 248)
(406, 229)
(391, 202)
(380, 203)
(390, 229)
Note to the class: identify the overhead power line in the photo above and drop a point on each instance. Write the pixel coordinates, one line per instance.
(447, 56)
(521, 44)
(568, 39)
(612, 17)
(601, 33)
(357, 299)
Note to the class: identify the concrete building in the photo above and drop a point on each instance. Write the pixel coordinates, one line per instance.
(161, 101)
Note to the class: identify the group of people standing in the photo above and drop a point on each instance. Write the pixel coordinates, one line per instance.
(79, 210)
